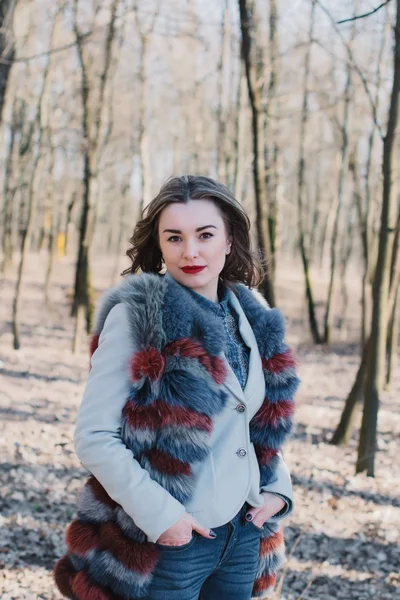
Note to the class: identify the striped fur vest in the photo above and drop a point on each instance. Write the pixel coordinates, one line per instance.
(176, 381)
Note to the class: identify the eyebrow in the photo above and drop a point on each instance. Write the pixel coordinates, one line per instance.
(179, 231)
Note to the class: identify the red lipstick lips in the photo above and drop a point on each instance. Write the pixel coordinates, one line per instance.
(192, 270)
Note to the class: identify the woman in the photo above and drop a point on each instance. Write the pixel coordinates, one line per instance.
(189, 398)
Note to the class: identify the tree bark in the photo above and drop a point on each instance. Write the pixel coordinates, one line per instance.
(312, 319)
(345, 427)
(263, 238)
(32, 192)
(7, 46)
(381, 284)
(92, 111)
(392, 343)
(339, 201)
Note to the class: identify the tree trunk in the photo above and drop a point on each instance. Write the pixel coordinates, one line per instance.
(345, 427)
(381, 284)
(393, 336)
(240, 137)
(271, 146)
(339, 201)
(312, 319)
(33, 193)
(365, 215)
(8, 192)
(92, 117)
(7, 46)
(222, 107)
(264, 242)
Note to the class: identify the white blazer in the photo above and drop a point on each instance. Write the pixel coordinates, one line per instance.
(224, 480)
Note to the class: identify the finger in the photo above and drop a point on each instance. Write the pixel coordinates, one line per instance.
(251, 513)
(204, 531)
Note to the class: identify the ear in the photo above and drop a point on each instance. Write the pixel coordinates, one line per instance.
(229, 244)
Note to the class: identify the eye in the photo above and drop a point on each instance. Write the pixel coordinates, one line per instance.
(210, 235)
(173, 238)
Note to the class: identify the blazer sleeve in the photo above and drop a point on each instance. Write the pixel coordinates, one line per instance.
(281, 486)
(97, 437)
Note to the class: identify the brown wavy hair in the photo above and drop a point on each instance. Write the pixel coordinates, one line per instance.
(241, 265)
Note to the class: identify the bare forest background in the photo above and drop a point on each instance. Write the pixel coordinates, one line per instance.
(292, 104)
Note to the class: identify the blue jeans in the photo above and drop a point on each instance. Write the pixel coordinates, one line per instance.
(210, 569)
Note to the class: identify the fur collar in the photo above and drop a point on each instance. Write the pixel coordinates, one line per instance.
(163, 310)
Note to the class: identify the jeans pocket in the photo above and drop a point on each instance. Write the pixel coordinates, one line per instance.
(256, 527)
(185, 546)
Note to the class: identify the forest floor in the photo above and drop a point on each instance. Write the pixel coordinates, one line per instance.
(343, 537)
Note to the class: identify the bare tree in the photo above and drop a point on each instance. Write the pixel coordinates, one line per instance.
(381, 284)
(145, 38)
(300, 182)
(344, 158)
(40, 124)
(7, 46)
(263, 237)
(92, 121)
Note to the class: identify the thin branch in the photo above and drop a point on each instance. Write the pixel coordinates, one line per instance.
(368, 14)
(355, 67)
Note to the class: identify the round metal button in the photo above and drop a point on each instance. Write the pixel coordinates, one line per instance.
(240, 408)
(235, 365)
(241, 452)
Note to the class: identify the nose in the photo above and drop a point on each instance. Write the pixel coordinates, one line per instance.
(190, 249)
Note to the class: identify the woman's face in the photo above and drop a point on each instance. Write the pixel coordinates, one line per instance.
(194, 235)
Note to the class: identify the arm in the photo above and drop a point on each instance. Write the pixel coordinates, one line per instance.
(97, 438)
(281, 486)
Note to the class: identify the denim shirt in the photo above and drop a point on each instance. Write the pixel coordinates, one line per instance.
(237, 353)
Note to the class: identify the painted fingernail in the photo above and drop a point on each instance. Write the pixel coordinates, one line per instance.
(213, 534)
(249, 517)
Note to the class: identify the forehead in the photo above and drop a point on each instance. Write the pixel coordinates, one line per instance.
(195, 213)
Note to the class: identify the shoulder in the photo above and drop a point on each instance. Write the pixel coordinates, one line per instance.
(116, 325)
(117, 316)
(260, 298)
(134, 292)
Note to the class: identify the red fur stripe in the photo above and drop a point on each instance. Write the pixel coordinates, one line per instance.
(264, 454)
(160, 413)
(82, 537)
(85, 588)
(140, 557)
(94, 343)
(148, 363)
(63, 573)
(189, 348)
(264, 583)
(270, 413)
(167, 464)
(100, 493)
(271, 543)
(279, 362)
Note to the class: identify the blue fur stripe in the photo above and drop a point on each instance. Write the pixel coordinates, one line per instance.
(90, 510)
(269, 528)
(78, 562)
(268, 325)
(179, 486)
(270, 436)
(271, 563)
(188, 444)
(282, 386)
(144, 392)
(267, 472)
(180, 388)
(128, 526)
(137, 440)
(106, 570)
(185, 319)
